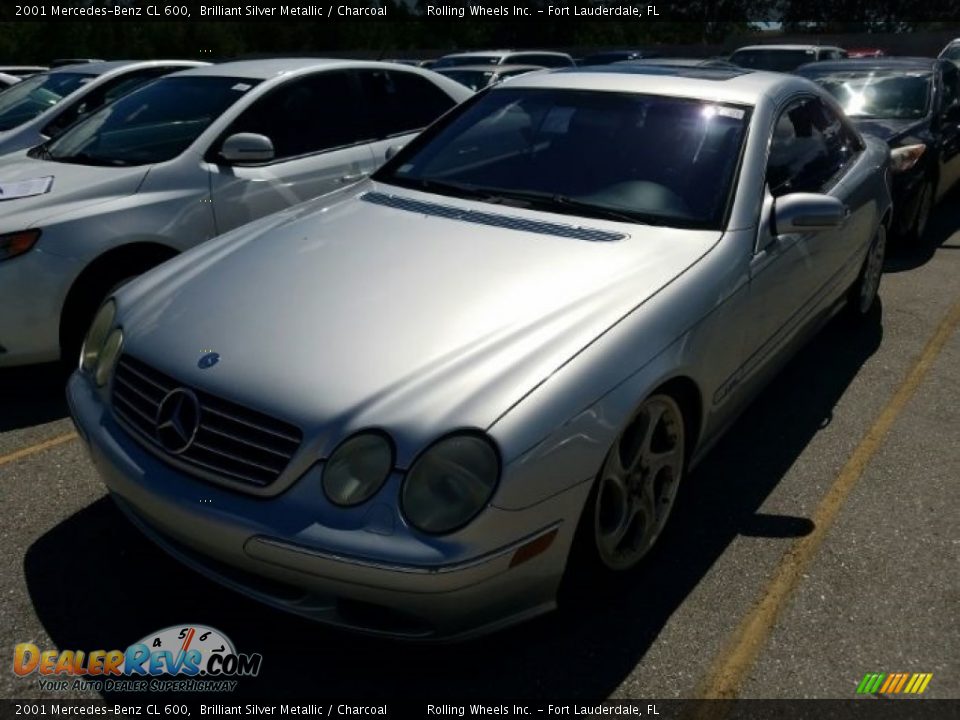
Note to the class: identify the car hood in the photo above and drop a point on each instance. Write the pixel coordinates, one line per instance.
(353, 314)
(888, 130)
(73, 186)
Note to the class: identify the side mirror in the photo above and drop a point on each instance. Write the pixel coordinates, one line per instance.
(391, 151)
(806, 212)
(247, 147)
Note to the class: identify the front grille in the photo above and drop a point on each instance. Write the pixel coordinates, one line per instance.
(232, 442)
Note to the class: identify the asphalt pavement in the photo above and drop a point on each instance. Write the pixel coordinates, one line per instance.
(819, 541)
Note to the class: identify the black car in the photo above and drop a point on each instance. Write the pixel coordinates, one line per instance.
(913, 104)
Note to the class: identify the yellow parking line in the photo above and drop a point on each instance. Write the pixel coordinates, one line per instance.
(730, 669)
(38, 448)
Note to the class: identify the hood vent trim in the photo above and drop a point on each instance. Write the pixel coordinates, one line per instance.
(507, 222)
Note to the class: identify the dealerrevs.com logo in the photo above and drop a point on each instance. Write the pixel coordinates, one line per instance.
(178, 658)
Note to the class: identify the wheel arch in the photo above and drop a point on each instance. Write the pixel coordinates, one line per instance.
(101, 273)
(685, 391)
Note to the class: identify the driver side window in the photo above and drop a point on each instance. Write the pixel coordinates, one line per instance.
(810, 146)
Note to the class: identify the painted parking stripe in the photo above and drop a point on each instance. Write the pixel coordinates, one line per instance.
(38, 448)
(729, 670)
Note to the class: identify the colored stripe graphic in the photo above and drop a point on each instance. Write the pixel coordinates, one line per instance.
(893, 683)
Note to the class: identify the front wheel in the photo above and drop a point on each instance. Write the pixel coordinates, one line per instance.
(922, 215)
(637, 485)
(863, 294)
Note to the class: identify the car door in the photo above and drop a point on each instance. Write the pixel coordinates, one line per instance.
(401, 104)
(794, 275)
(321, 138)
(948, 122)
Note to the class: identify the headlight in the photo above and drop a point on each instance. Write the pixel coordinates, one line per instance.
(13, 244)
(357, 469)
(450, 484)
(904, 158)
(108, 357)
(97, 336)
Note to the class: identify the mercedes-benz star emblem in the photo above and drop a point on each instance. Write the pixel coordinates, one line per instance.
(208, 360)
(178, 419)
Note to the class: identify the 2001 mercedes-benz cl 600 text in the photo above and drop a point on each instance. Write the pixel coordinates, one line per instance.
(399, 407)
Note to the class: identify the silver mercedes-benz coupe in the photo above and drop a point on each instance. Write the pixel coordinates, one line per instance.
(398, 408)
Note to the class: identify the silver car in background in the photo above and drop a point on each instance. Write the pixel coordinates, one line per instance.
(182, 160)
(411, 407)
(540, 58)
(44, 105)
(478, 77)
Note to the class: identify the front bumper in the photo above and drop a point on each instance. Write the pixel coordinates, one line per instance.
(32, 289)
(264, 548)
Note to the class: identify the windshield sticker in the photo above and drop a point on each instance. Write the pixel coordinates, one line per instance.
(242, 87)
(735, 113)
(25, 188)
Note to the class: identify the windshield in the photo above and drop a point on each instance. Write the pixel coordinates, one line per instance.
(879, 94)
(458, 60)
(619, 156)
(473, 79)
(150, 125)
(37, 94)
(775, 60)
(951, 52)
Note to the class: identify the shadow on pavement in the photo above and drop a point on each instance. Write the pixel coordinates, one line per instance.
(96, 583)
(32, 396)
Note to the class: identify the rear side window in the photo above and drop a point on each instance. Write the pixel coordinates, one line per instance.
(308, 115)
(402, 102)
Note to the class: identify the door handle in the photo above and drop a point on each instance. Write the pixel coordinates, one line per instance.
(353, 177)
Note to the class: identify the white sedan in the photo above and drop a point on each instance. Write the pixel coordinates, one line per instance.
(188, 157)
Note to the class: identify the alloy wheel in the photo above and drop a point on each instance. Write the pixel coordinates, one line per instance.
(638, 483)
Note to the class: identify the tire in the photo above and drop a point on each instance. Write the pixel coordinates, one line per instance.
(921, 217)
(863, 293)
(632, 497)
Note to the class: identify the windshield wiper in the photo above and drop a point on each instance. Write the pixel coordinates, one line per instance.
(40, 152)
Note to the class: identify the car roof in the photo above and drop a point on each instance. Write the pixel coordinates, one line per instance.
(503, 53)
(733, 85)
(102, 68)
(773, 46)
(273, 67)
(868, 64)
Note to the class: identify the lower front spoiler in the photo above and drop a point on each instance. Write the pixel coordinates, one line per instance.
(439, 616)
